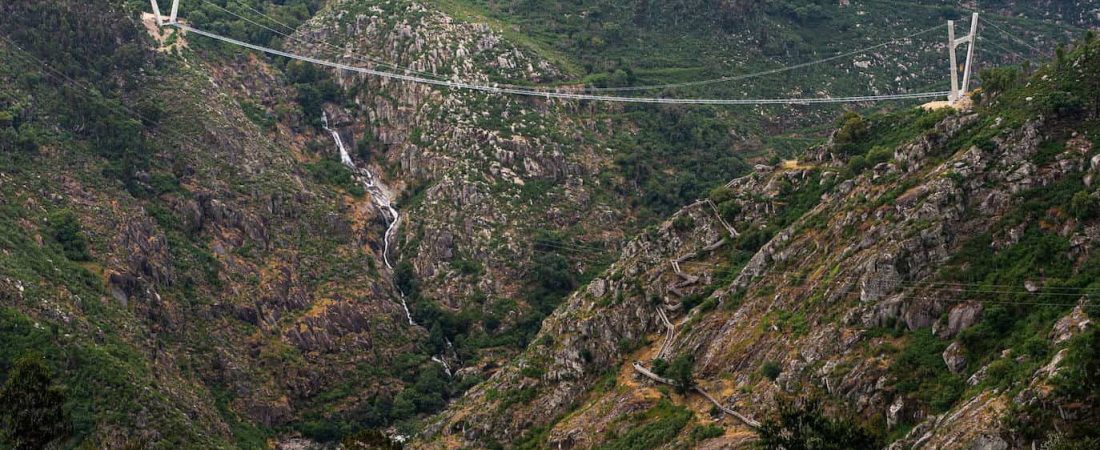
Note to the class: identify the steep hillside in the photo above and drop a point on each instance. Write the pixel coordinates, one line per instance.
(482, 176)
(926, 274)
(195, 272)
(211, 248)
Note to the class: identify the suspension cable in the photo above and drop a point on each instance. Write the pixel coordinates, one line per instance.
(496, 89)
(599, 89)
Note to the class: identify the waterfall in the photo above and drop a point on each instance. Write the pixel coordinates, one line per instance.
(446, 368)
(345, 157)
(379, 195)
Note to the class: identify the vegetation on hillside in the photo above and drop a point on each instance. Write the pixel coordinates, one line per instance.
(99, 113)
(32, 411)
(805, 426)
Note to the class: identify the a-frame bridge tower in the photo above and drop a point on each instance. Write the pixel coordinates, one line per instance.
(160, 18)
(957, 92)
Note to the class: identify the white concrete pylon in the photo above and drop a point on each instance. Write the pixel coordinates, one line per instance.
(973, 38)
(176, 10)
(954, 62)
(156, 13)
(958, 91)
(160, 18)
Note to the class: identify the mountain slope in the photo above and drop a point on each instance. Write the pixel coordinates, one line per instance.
(187, 248)
(217, 265)
(924, 272)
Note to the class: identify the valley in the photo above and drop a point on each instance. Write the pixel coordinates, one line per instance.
(206, 246)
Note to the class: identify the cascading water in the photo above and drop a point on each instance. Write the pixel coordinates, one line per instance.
(381, 198)
(379, 195)
(446, 368)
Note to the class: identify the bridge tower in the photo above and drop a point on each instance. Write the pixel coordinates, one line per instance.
(171, 18)
(971, 40)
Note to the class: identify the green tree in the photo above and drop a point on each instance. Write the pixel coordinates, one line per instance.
(436, 339)
(406, 280)
(1084, 206)
(660, 366)
(33, 414)
(999, 79)
(806, 427)
(67, 232)
(852, 128)
(771, 370)
(679, 370)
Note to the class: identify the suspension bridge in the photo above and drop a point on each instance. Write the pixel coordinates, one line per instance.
(958, 89)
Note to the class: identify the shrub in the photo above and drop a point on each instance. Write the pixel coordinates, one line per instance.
(683, 222)
(660, 366)
(363, 148)
(729, 210)
(333, 173)
(28, 139)
(67, 232)
(1084, 206)
(720, 194)
(467, 266)
(406, 280)
(369, 440)
(771, 370)
(704, 432)
(1061, 103)
(879, 154)
(857, 164)
(535, 372)
(662, 424)
(807, 427)
(1080, 376)
(999, 79)
(920, 370)
(680, 370)
(258, 115)
(852, 129)
(31, 410)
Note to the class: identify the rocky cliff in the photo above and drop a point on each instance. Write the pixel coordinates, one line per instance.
(188, 251)
(924, 272)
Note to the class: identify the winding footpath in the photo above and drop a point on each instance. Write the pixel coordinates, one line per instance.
(666, 347)
(638, 367)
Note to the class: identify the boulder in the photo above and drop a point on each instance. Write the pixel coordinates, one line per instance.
(989, 443)
(961, 317)
(1076, 322)
(955, 357)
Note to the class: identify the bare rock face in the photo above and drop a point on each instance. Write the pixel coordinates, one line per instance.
(959, 318)
(146, 251)
(879, 280)
(989, 443)
(902, 410)
(1076, 322)
(296, 444)
(955, 357)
